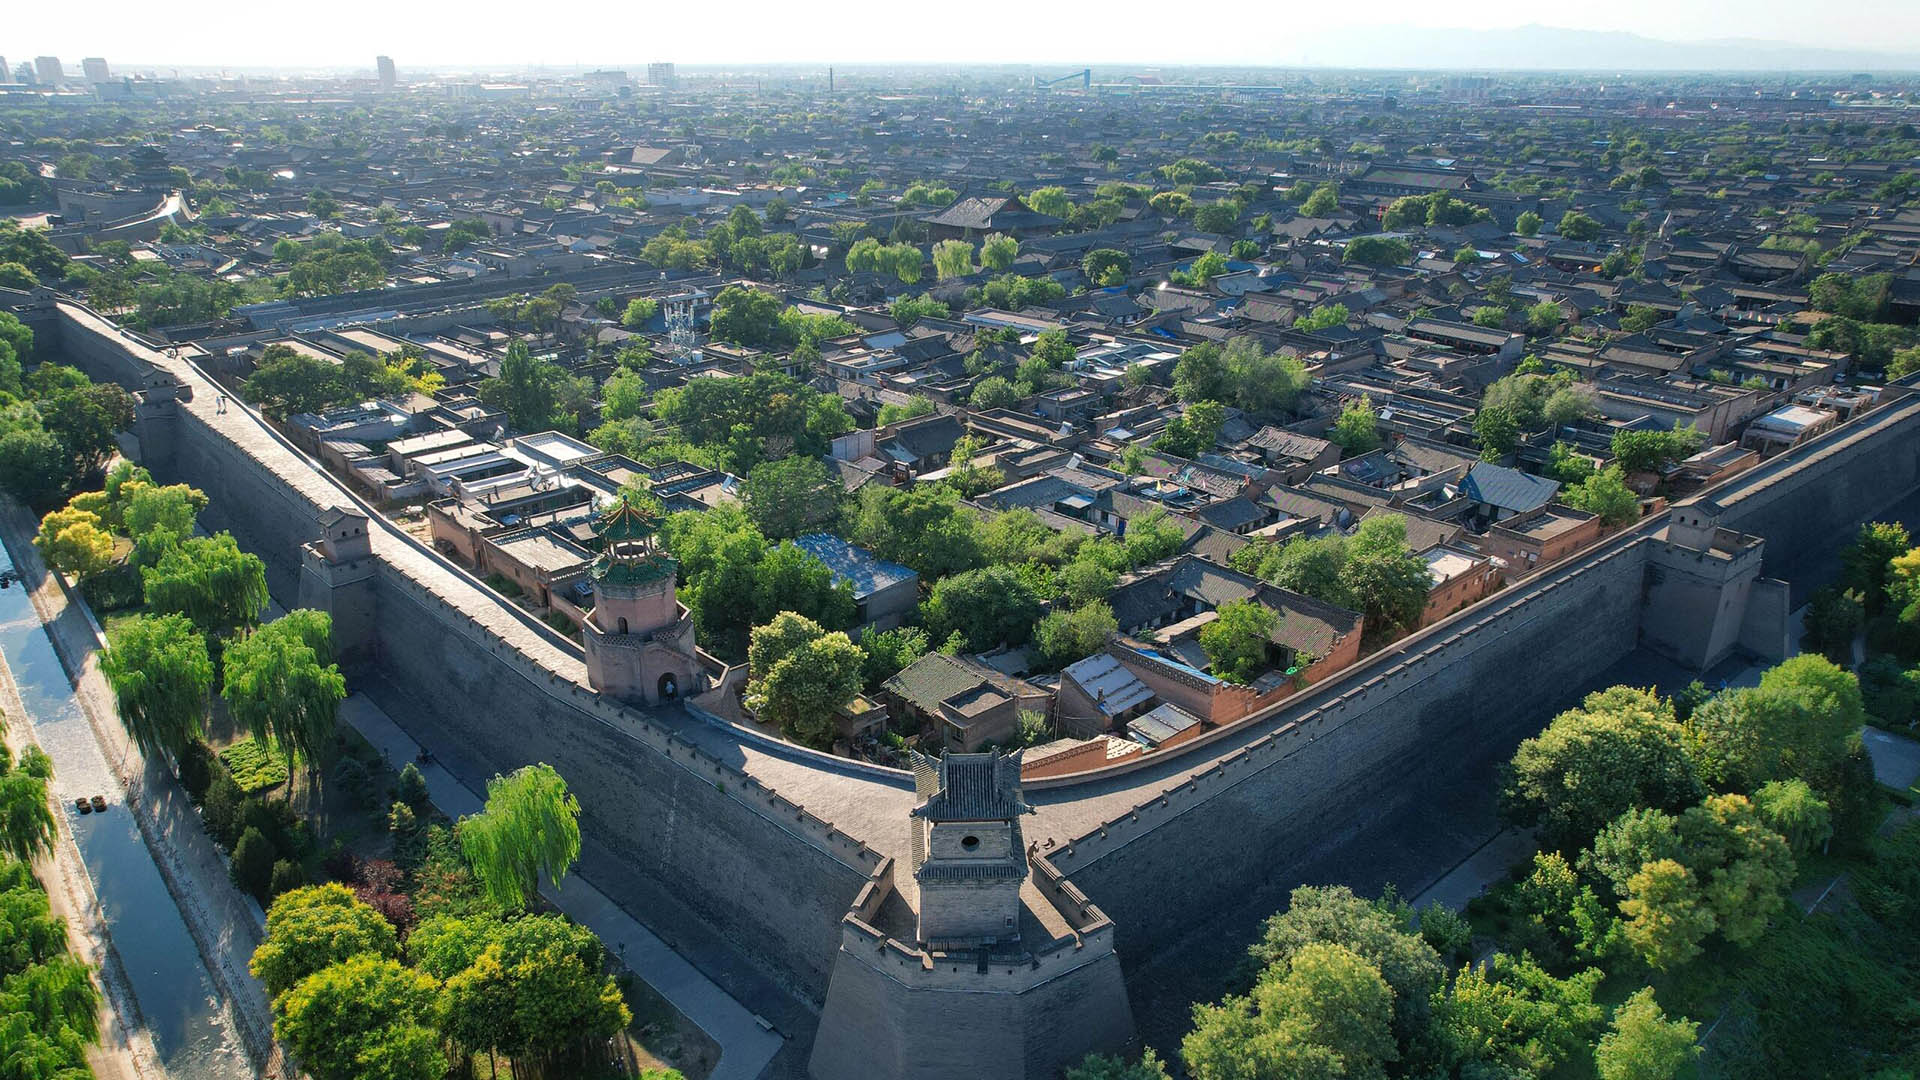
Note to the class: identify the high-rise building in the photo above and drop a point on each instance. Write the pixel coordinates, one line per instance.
(95, 68)
(46, 71)
(6, 73)
(389, 78)
(660, 74)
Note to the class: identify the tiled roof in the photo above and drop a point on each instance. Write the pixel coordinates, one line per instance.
(1507, 489)
(868, 573)
(975, 787)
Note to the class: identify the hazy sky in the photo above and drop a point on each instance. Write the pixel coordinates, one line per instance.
(502, 34)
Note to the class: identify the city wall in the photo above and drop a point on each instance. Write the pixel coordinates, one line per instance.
(1342, 759)
(669, 827)
(1459, 696)
(665, 827)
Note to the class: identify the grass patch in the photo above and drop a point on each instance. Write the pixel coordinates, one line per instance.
(254, 766)
(505, 586)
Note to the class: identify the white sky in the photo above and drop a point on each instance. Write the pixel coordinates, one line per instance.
(502, 35)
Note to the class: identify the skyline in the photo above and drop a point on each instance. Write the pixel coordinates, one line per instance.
(225, 35)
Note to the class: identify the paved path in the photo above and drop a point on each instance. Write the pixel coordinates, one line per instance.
(745, 1046)
(1896, 759)
(1487, 865)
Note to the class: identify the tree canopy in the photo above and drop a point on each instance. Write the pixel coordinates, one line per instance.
(529, 828)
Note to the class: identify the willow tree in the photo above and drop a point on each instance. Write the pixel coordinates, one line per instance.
(209, 580)
(530, 826)
(160, 674)
(26, 822)
(282, 685)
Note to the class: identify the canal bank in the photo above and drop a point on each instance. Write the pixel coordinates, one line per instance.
(181, 935)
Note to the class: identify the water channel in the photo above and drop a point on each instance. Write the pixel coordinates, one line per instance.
(177, 1000)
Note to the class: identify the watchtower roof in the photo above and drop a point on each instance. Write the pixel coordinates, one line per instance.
(625, 519)
(969, 787)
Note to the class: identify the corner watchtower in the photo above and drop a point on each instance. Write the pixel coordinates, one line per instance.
(639, 639)
(968, 858)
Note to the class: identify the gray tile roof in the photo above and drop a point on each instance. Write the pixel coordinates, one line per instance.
(975, 787)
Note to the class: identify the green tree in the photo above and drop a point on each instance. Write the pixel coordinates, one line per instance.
(251, 866)
(1790, 808)
(26, 820)
(1236, 642)
(1744, 867)
(1325, 1016)
(1667, 917)
(158, 518)
(1866, 564)
(1378, 251)
(1356, 431)
(790, 578)
(990, 606)
(923, 527)
(1497, 431)
(1322, 317)
(1575, 225)
(1379, 931)
(1621, 749)
(994, 392)
(1106, 266)
(1324, 201)
(952, 259)
(1051, 201)
(365, 1019)
(639, 312)
(889, 651)
(1605, 495)
(210, 581)
(160, 673)
(283, 689)
(1743, 738)
(1512, 1018)
(527, 389)
(999, 251)
(1382, 578)
(792, 497)
(802, 676)
(529, 827)
(1643, 451)
(1545, 318)
(1555, 917)
(535, 991)
(312, 929)
(1640, 318)
(1066, 636)
(1217, 217)
(75, 542)
(1642, 1044)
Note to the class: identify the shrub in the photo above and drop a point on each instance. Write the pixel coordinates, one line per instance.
(220, 810)
(197, 771)
(354, 779)
(252, 864)
(287, 876)
(254, 767)
(1448, 931)
(413, 789)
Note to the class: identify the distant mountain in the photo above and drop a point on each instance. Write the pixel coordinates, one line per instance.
(1551, 48)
